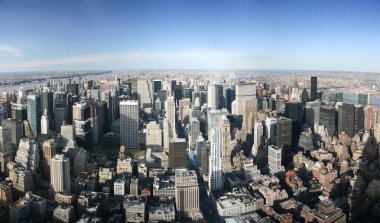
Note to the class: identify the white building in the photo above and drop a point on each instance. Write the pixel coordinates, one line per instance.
(216, 178)
(28, 154)
(153, 135)
(45, 123)
(170, 115)
(60, 174)
(246, 91)
(274, 159)
(270, 125)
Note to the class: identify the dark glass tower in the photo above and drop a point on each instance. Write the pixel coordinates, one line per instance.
(156, 85)
(293, 111)
(313, 90)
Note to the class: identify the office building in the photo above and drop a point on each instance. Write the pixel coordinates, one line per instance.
(186, 192)
(6, 151)
(60, 174)
(270, 130)
(284, 132)
(313, 89)
(31, 207)
(170, 110)
(45, 123)
(348, 117)
(215, 96)
(363, 99)
(313, 114)
(153, 135)
(293, 111)
(129, 124)
(82, 125)
(215, 173)
(177, 153)
(49, 150)
(157, 85)
(22, 180)
(34, 113)
(145, 93)
(274, 159)
(326, 212)
(243, 92)
(28, 154)
(327, 118)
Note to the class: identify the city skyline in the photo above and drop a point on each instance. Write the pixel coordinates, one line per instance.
(135, 35)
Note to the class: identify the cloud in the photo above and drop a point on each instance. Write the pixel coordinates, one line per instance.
(9, 50)
(187, 59)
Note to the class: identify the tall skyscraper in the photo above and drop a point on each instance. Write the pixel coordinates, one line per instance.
(170, 110)
(293, 111)
(327, 118)
(177, 153)
(215, 96)
(313, 89)
(284, 132)
(186, 192)
(157, 85)
(216, 176)
(348, 119)
(34, 113)
(45, 123)
(82, 125)
(243, 92)
(258, 133)
(145, 93)
(60, 174)
(225, 143)
(6, 153)
(312, 114)
(48, 104)
(363, 99)
(270, 129)
(49, 150)
(359, 118)
(274, 159)
(129, 124)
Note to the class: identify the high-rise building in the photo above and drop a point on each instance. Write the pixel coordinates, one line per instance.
(48, 105)
(216, 176)
(186, 192)
(293, 111)
(258, 133)
(29, 206)
(157, 85)
(22, 180)
(274, 159)
(166, 132)
(34, 113)
(359, 118)
(313, 114)
(49, 150)
(153, 135)
(270, 129)
(28, 154)
(6, 152)
(230, 97)
(129, 124)
(145, 93)
(363, 99)
(225, 144)
(177, 153)
(313, 89)
(243, 92)
(348, 117)
(82, 125)
(215, 96)
(327, 118)
(45, 123)
(284, 132)
(170, 110)
(60, 174)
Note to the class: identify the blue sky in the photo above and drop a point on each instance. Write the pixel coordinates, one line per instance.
(193, 34)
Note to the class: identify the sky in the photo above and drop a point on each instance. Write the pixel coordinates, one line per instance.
(54, 35)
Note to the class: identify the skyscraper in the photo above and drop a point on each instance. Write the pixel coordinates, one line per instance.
(243, 92)
(153, 135)
(177, 153)
(60, 174)
(6, 153)
(312, 114)
(45, 123)
(327, 118)
(293, 111)
(363, 99)
(216, 176)
(129, 124)
(186, 192)
(348, 119)
(274, 159)
(313, 89)
(34, 113)
(157, 85)
(82, 125)
(270, 127)
(284, 132)
(49, 150)
(171, 116)
(145, 93)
